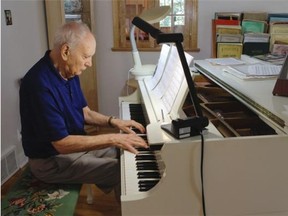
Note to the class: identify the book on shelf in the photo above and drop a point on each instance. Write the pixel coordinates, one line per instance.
(254, 26)
(221, 25)
(277, 17)
(280, 49)
(226, 22)
(255, 48)
(278, 27)
(225, 50)
(278, 38)
(278, 35)
(255, 15)
(229, 38)
(228, 29)
(228, 15)
(256, 37)
(256, 43)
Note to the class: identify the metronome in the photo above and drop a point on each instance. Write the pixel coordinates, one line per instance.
(281, 85)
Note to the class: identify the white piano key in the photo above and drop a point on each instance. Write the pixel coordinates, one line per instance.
(125, 111)
(131, 180)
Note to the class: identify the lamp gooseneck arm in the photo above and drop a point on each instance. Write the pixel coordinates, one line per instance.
(135, 53)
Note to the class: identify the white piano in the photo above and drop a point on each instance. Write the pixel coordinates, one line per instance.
(244, 168)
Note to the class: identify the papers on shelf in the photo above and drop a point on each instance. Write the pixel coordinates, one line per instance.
(225, 61)
(257, 70)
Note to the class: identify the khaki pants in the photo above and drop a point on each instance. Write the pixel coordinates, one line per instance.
(100, 167)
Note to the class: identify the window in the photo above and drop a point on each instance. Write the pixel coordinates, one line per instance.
(182, 19)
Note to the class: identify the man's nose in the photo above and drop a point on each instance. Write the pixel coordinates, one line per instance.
(88, 63)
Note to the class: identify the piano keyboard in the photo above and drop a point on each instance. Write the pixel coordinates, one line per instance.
(137, 114)
(140, 172)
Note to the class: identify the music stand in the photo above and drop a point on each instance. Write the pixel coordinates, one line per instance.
(190, 126)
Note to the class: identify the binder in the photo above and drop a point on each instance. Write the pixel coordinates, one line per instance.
(255, 48)
(225, 50)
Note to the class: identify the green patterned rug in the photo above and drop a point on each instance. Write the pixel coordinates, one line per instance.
(29, 196)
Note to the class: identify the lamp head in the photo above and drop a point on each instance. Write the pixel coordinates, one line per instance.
(155, 15)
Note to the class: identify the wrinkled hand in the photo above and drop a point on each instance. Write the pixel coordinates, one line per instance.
(126, 125)
(129, 142)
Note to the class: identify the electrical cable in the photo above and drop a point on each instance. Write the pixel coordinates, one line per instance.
(201, 170)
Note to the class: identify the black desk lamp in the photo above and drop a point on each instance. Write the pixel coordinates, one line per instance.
(190, 126)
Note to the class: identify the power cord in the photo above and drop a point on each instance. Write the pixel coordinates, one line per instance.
(201, 170)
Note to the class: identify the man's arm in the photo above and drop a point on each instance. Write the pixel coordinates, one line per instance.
(82, 143)
(95, 118)
(78, 143)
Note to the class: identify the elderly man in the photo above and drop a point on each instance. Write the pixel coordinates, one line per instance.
(53, 113)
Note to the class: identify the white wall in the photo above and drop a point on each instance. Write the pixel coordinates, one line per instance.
(23, 43)
(21, 46)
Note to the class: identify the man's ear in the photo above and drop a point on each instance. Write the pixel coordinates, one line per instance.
(65, 51)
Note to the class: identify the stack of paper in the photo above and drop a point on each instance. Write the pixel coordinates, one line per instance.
(257, 70)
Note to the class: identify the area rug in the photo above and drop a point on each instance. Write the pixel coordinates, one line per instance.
(30, 196)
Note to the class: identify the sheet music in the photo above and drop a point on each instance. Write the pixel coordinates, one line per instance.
(169, 71)
(173, 76)
(165, 51)
(225, 61)
(258, 69)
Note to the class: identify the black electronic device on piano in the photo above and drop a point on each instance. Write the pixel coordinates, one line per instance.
(183, 128)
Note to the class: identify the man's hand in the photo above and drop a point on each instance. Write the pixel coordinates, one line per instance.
(126, 125)
(128, 142)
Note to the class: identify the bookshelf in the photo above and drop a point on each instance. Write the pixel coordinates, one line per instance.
(250, 33)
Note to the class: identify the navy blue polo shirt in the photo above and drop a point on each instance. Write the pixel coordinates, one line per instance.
(51, 108)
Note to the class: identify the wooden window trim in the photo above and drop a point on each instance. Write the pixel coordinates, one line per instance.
(190, 42)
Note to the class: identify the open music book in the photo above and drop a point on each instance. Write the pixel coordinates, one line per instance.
(168, 77)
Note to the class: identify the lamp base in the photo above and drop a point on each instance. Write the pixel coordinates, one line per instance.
(143, 71)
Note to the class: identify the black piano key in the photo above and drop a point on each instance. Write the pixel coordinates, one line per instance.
(144, 150)
(137, 131)
(151, 148)
(145, 157)
(145, 163)
(148, 182)
(151, 168)
(148, 167)
(154, 175)
(137, 114)
(145, 188)
(145, 185)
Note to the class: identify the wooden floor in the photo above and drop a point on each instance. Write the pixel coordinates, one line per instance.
(104, 204)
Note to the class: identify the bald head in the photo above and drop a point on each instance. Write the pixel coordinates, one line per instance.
(71, 33)
(74, 46)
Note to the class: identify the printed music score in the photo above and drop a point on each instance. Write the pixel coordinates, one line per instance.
(168, 76)
(258, 70)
